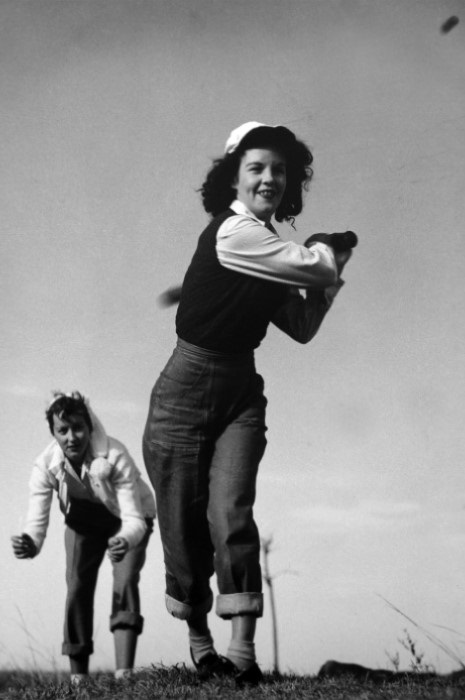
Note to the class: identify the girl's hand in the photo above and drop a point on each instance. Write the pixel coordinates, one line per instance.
(117, 548)
(23, 546)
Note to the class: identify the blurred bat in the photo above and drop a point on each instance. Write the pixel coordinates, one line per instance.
(170, 296)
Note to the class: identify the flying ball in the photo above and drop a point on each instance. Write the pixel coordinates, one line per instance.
(449, 24)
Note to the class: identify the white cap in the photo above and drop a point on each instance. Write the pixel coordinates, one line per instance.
(237, 135)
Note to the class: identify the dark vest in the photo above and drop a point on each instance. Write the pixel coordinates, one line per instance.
(221, 309)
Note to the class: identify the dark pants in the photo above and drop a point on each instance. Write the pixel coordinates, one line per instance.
(87, 532)
(203, 442)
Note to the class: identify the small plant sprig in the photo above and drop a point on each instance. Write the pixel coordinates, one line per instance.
(429, 635)
(416, 656)
(417, 663)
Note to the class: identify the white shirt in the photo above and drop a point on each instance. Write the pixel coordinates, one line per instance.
(109, 477)
(246, 244)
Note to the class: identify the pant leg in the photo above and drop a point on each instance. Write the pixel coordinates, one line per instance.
(233, 473)
(125, 612)
(177, 455)
(84, 554)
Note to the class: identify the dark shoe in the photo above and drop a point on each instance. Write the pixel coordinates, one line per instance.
(212, 664)
(251, 676)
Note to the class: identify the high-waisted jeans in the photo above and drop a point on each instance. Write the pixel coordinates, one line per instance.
(203, 442)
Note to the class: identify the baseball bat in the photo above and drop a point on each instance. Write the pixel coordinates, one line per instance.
(170, 296)
(339, 242)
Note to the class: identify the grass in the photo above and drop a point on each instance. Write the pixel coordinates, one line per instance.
(182, 683)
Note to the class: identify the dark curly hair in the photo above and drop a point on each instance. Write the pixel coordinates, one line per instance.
(66, 405)
(218, 192)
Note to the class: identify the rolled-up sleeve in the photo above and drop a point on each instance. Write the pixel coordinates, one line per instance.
(41, 487)
(124, 477)
(245, 246)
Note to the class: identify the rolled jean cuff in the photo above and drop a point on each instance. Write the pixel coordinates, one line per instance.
(125, 619)
(69, 649)
(228, 606)
(184, 611)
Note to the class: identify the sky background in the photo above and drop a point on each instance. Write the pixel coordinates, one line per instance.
(111, 113)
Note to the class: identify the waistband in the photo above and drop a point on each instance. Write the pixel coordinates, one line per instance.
(196, 351)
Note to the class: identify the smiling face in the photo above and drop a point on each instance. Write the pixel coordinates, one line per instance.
(261, 181)
(73, 435)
